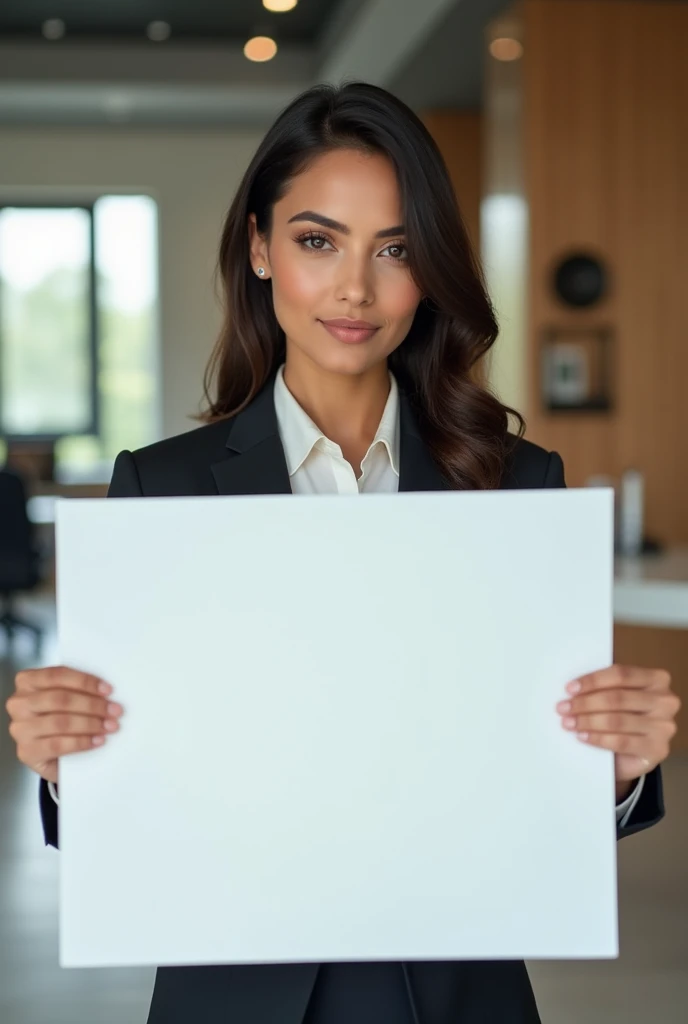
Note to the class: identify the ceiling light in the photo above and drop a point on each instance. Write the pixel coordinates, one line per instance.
(260, 48)
(279, 5)
(53, 28)
(506, 48)
(158, 31)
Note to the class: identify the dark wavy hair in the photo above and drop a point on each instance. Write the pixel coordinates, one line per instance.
(437, 365)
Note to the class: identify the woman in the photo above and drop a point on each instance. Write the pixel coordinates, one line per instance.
(356, 317)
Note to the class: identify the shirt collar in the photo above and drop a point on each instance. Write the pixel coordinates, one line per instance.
(299, 434)
(388, 431)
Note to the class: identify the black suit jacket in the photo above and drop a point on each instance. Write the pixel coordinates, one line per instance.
(245, 456)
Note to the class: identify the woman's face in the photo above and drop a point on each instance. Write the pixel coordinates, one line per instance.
(336, 253)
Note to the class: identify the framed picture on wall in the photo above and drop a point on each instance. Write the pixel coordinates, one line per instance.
(576, 373)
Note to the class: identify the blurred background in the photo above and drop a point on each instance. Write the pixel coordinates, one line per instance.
(125, 126)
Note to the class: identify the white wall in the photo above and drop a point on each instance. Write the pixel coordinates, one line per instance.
(192, 175)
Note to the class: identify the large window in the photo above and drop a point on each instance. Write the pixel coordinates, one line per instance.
(78, 329)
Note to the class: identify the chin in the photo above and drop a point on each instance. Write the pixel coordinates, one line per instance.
(350, 360)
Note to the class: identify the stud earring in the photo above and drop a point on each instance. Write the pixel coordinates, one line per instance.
(261, 271)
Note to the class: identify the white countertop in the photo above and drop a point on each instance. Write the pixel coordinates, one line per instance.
(41, 509)
(652, 590)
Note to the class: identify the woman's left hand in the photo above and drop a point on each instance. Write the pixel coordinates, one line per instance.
(628, 710)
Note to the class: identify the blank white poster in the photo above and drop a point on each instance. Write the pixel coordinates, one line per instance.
(340, 739)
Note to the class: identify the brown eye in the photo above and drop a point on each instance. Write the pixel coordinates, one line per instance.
(319, 241)
(395, 250)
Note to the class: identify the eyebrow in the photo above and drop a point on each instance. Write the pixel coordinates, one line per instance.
(334, 225)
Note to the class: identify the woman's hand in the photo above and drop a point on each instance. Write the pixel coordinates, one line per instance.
(56, 711)
(628, 710)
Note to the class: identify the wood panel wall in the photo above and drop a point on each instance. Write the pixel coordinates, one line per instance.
(606, 160)
(458, 133)
(606, 99)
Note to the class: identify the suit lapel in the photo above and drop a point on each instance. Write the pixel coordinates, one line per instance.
(255, 462)
(417, 470)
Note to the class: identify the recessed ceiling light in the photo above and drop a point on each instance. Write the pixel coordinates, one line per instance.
(53, 28)
(279, 5)
(506, 48)
(260, 48)
(158, 31)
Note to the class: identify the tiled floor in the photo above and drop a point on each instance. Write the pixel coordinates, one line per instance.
(648, 983)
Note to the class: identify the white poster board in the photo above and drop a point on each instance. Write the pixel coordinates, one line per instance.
(340, 739)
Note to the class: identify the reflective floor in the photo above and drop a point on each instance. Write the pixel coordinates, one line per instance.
(648, 982)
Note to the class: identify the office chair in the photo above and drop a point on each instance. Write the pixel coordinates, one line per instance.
(20, 558)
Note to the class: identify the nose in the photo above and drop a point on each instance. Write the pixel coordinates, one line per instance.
(354, 282)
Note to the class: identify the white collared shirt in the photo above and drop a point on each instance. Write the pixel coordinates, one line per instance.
(316, 466)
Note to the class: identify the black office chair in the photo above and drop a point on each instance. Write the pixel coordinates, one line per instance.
(20, 556)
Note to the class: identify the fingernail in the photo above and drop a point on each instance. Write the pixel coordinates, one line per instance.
(98, 740)
(104, 688)
(569, 723)
(584, 736)
(564, 706)
(573, 687)
(111, 724)
(114, 709)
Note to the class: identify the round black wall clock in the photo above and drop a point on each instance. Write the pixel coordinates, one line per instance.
(580, 280)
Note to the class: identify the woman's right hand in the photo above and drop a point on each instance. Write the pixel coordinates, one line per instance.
(56, 711)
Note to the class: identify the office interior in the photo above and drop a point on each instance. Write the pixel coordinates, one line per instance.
(124, 130)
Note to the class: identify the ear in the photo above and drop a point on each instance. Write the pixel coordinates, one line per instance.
(258, 248)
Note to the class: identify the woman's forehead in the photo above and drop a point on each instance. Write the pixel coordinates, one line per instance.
(347, 186)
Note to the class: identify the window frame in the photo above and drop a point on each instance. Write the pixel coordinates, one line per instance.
(92, 427)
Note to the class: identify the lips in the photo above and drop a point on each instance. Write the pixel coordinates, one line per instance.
(353, 324)
(351, 332)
